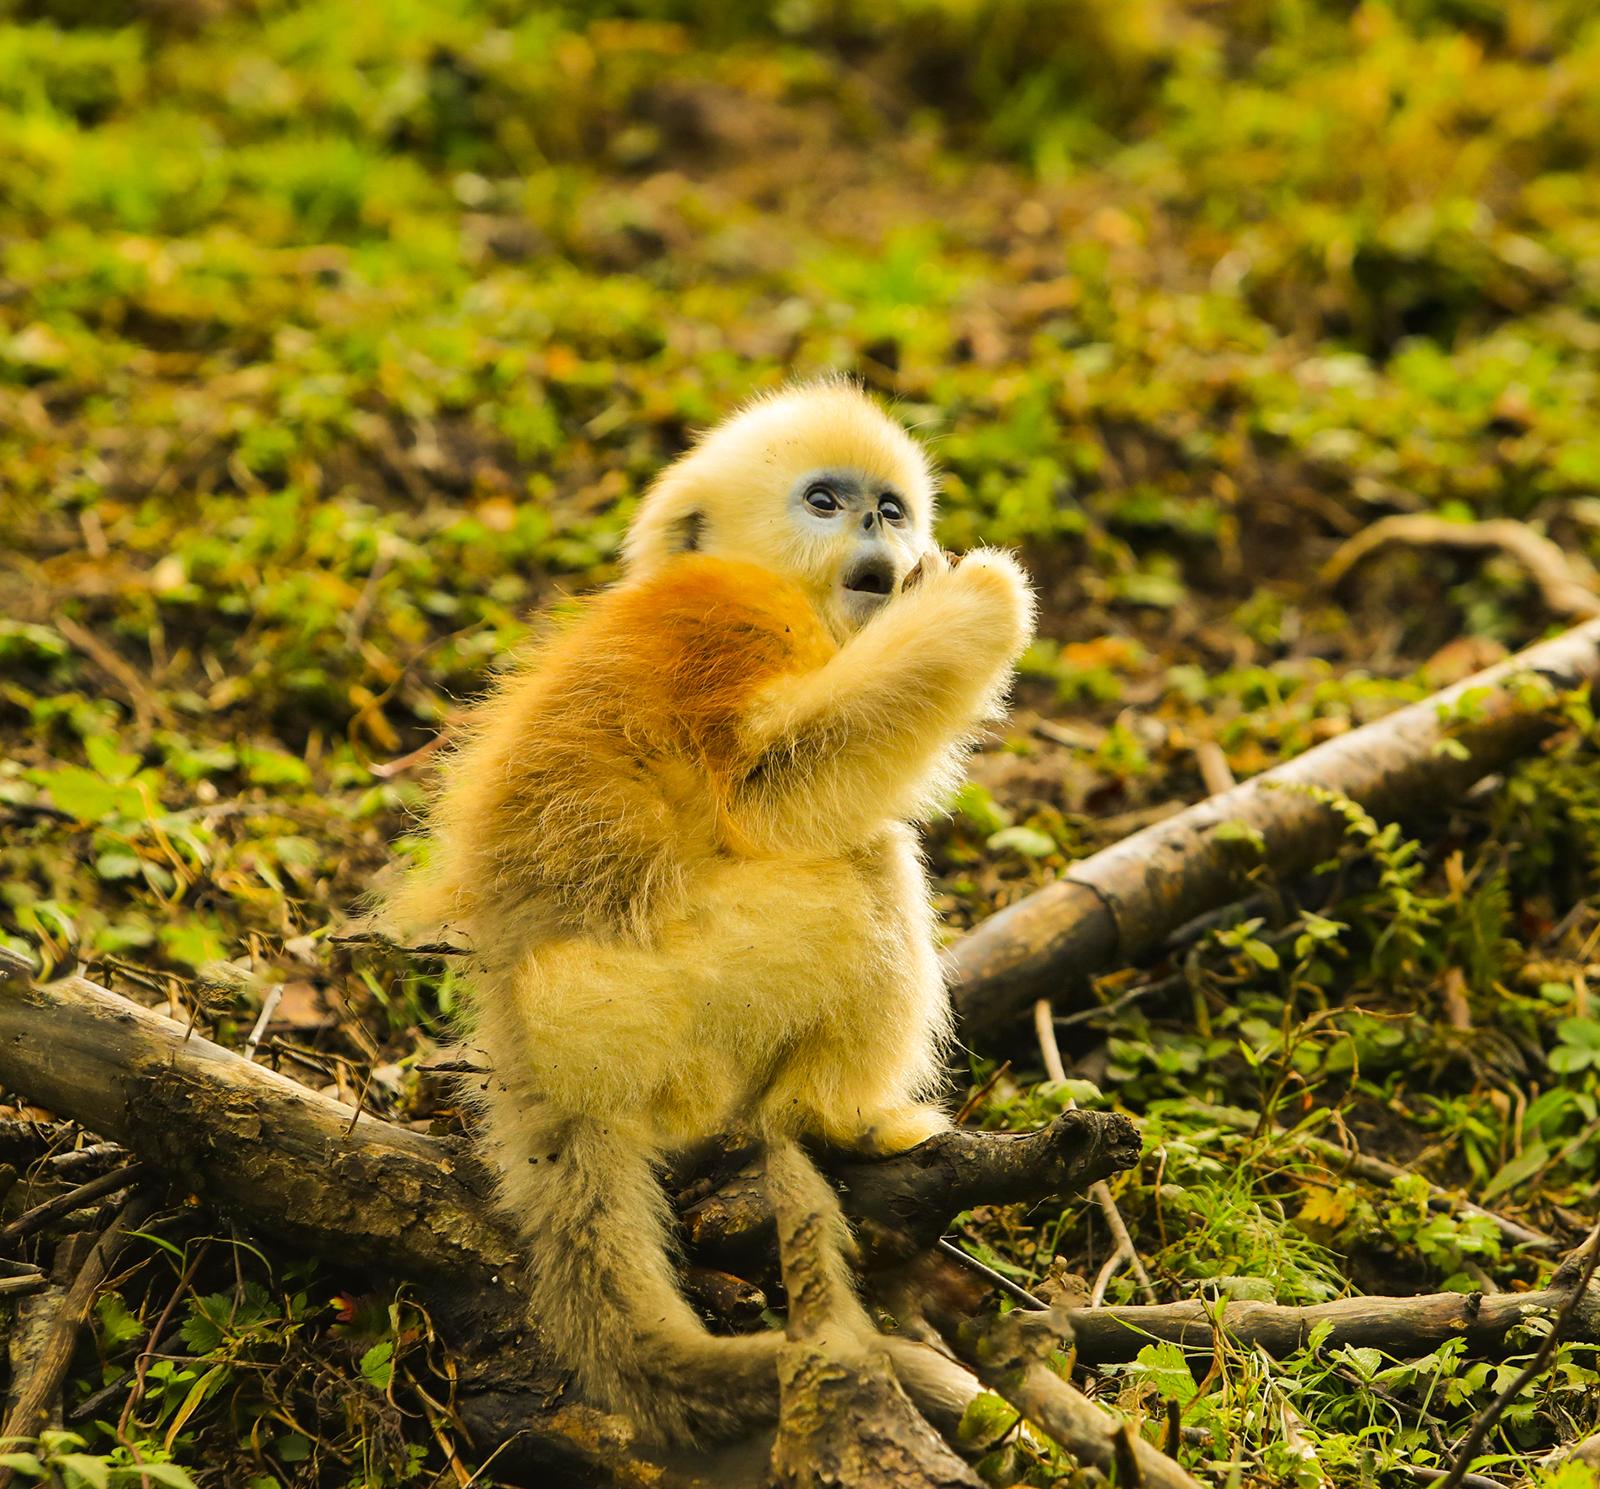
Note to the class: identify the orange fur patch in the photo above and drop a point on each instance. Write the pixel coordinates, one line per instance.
(600, 772)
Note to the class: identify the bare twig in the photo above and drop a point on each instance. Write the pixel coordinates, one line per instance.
(1567, 585)
(1124, 1249)
(1014, 1291)
(155, 1338)
(976, 1099)
(48, 1369)
(1215, 772)
(1580, 1266)
(64, 1204)
(269, 1006)
(147, 707)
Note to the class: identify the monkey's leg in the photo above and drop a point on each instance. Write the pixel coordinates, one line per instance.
(804, 1201)
(605, 1293)
(822, 1294)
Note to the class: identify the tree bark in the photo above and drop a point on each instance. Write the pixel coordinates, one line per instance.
(1118, 906)
(901, 1205)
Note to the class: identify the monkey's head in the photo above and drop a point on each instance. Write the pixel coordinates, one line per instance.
(816, 483)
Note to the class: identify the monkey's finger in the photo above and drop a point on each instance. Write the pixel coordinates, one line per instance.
(934, 560)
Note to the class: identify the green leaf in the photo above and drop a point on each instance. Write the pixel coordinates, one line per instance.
(112, 763)
(986, 1420)
(275, 768)
(117, 1324)
(167, 1474)
(975, 802)
(27, 1463)
(95, 1472)
(117, 864)
(1261, 954)
(1166, 1368)
(192, 943)
(1367, 1362)
(377, 1365)
(1521, 1168)
(1028, 841)
(86, 797)
(1235, 831)
(199, 1332)
(197, 1393)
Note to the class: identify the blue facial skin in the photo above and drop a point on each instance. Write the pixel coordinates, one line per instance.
(823, 500)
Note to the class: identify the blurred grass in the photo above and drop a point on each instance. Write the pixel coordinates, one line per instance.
(334, 341)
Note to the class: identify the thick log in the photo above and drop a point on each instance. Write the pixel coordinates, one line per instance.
(251, 1142)
(1118, 906)
(904, 1203)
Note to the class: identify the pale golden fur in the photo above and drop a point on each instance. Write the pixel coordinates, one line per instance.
(678, 841)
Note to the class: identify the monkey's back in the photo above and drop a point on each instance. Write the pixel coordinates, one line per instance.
(597, 779)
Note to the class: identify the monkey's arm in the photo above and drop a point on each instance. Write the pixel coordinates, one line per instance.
(868, 735)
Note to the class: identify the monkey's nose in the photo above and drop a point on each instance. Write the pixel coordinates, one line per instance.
(872, 576)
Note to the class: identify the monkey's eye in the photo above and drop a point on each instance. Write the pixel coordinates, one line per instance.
(891, 509)
(822, 499)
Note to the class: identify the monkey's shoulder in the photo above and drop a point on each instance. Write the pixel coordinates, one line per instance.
(709, 625)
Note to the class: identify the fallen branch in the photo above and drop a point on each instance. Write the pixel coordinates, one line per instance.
(39, 1386)
(1402, 1327)
(1010, 1355)
(1567, 584)
(1118, 906)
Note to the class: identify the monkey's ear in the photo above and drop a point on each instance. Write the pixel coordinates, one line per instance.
(686, 533)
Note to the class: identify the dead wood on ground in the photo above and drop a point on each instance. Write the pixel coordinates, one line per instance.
(1117, 907)
(309, 1170)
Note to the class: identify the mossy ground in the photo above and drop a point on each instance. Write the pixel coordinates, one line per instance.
(335, 341)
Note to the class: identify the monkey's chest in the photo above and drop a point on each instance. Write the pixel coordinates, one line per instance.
(795, 949)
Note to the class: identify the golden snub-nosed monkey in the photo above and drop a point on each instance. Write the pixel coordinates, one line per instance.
(678, 839)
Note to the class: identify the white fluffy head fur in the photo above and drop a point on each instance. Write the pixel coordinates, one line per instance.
(737, 493)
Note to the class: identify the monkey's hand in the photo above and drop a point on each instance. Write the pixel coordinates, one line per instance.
(868, 737)
(986, 589)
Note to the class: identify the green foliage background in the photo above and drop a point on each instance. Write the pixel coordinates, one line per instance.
(335, 340)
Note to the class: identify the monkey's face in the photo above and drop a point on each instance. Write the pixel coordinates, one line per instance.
(855, 536)
(816, 484)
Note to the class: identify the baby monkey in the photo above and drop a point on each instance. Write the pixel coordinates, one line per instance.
(678, 837)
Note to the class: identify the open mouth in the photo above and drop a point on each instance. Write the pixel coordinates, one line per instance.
(875, 577)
